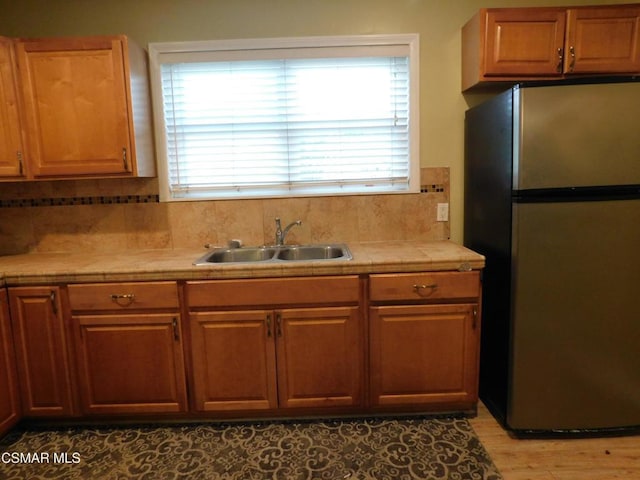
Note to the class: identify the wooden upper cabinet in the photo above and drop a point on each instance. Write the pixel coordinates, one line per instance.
(603, 40)
(524, 42)
(11, 149)
(81, 117)
(507, 45)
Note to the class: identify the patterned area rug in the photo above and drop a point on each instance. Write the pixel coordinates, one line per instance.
(362, 449)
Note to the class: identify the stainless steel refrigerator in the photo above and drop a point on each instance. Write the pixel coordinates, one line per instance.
(552, 199)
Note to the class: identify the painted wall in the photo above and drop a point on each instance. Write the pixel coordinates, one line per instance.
(437, 21)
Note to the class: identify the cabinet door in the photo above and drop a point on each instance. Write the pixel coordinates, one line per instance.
(319, 357)
(41, 351)
(130, 363)
(524, 42)
(76, 105)
(11, 151)
(233, 356)
(603, 40)
(9, 399)
(424, 354)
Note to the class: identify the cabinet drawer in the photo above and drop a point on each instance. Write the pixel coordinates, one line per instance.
(424, 286)
(118, 296)
(273, 291)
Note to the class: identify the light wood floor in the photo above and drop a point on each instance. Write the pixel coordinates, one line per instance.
(606, 458)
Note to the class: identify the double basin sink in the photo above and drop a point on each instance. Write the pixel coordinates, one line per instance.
(284, 253)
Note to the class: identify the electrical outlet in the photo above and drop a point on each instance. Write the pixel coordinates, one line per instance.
(443, 212)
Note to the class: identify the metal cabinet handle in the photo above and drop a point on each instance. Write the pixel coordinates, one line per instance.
(572, 52)
(560, 58)
(268, 325)
(419, 288)
(279, 324)
(54, 307)
(124, 159)
(174, 323)
(123, 299)
(20, 165)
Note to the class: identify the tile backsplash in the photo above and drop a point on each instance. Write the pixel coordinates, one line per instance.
(114, 215)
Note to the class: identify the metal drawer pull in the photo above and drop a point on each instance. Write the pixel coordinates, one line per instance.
(123, 299)
(419, 288)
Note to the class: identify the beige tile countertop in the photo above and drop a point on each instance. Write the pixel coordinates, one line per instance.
(146, 265)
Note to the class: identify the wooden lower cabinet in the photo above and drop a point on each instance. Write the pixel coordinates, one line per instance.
(234, 361)
(130, 364)
(9, 399)
(276, 358)
(319, 357)
(265, 359)
(331, 344)
(424, 335)
(41, 347)
(424, 354)
(128, 345)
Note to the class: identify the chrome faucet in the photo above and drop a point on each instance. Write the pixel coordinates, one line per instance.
(282, 234)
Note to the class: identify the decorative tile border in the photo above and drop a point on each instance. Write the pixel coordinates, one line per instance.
(434, 188)
(123, 199)
(55, 202)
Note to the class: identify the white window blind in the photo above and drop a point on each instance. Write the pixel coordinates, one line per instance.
(286, 121)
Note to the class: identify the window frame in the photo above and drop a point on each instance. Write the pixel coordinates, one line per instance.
(162, 52)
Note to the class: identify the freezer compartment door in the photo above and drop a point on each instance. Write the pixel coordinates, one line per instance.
(575, 362)
(577, 136)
